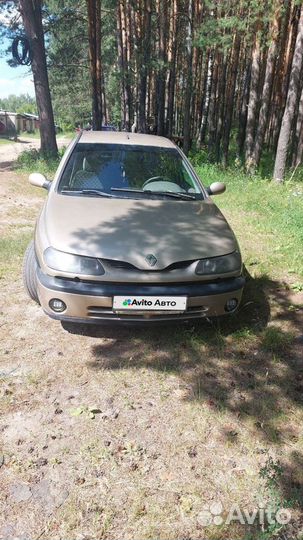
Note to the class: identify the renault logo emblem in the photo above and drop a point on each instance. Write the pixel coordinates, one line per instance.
(151, 259)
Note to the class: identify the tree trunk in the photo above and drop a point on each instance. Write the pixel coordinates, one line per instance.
(198, 93)
(298, 137)
(94, 38)
(206, 95)
(189, 79)
(162, 8)
(253, 102)
(212, 113)
(145, 39)
(128, 55)
(243, 111)
(286, 50)
(284, 136)
(299, 133)
(172, 52)
(221, 107)
(32, 21)
(230, 98)
(122, 65)
(266, 93)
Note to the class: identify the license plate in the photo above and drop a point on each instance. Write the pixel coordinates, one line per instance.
(150, 303)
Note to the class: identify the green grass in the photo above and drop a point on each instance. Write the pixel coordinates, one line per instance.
(6, 141)
(266, 217)
(12, 249)
(35, 161)
(276, 341)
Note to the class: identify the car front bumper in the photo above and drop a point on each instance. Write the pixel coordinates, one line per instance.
(93, 301)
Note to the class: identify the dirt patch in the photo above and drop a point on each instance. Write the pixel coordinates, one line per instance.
(111, 432)
(10, 152)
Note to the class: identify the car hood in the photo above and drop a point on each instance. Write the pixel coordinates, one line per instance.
(129, 230)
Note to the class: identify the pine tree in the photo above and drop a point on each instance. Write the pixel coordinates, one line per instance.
(284, 137)
(31, 12)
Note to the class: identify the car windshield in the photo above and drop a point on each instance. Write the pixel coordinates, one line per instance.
(130, 171)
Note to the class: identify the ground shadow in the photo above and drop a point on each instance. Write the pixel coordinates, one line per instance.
(24, 141)
(240, 364)
(236, 363)
(7, 166)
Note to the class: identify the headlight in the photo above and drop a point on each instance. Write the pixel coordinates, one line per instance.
(75, 264)
(220, 265)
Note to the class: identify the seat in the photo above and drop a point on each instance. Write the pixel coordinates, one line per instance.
(86, 178)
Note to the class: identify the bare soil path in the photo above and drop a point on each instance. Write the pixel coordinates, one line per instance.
(111, 432)
(9, 152)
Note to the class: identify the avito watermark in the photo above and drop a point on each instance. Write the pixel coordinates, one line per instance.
(216, 514)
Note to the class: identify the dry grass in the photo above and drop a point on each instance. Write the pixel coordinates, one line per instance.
(184, 416)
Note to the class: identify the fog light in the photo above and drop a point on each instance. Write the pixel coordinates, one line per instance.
(231, 304)
(57, 305)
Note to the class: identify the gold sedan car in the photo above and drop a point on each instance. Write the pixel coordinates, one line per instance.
(128, 232)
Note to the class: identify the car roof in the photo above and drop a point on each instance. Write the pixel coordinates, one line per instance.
(124, 137)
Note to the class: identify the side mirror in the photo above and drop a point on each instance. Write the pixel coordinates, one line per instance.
(216, 188)
(39, 180)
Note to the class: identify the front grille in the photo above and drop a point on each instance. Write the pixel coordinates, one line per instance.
(179, 265)
(122, 265)
(97, 312)
(119, 265)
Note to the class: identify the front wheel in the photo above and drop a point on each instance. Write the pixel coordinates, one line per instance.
(29, 272)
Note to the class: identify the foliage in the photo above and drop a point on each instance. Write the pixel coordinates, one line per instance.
(35, 161)
(197, 72)
(68, 62)
(23, 104)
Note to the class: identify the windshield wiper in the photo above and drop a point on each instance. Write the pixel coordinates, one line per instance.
(175, 194)
(128, 190)
(88, 192)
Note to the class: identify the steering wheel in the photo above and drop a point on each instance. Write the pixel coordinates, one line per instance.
(155, 179)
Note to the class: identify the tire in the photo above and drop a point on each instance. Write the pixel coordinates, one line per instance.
(29, 272)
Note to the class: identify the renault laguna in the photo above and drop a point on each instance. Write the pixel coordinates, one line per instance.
(129, 233)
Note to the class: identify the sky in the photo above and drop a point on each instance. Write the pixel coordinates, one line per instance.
(13, 80)
(17, 80)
